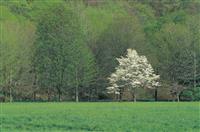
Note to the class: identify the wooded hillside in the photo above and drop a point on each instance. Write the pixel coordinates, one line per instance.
(63, 50)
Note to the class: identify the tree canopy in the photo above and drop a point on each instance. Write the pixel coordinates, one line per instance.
(67, 50)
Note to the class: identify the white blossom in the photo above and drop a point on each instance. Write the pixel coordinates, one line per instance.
(134, 71)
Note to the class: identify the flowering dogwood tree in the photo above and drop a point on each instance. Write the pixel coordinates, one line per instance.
(133, 72)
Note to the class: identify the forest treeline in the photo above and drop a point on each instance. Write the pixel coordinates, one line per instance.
(57, 50)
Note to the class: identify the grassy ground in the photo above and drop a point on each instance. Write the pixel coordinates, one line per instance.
(115, 117)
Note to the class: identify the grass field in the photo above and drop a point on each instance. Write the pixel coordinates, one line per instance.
(108, 117)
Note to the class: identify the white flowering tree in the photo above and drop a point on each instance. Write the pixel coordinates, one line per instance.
(133, 72)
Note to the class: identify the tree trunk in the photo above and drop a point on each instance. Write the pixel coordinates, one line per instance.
(59, 93)
(34, 96)
(34, 86)
(10, 89)
(59, 96)
(134, 95)
(135, 98)
(156, 95)
(120, 95)
(10, 94)
(195, 69)
(77, 90)
(60, 86)
(177, 96)
(48, 94)
(97, 94)
(77, 98)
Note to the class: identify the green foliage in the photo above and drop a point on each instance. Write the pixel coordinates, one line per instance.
(17, 36)
(62, 58)
(86, 36)
(30, 9)
(97, 20)
(191, 94)
(125, 32)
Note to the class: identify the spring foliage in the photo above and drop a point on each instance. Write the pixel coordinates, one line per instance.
(63, 49)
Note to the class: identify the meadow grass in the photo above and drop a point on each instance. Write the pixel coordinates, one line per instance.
(108, 117)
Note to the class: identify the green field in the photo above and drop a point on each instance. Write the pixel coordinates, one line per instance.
(115, 117)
